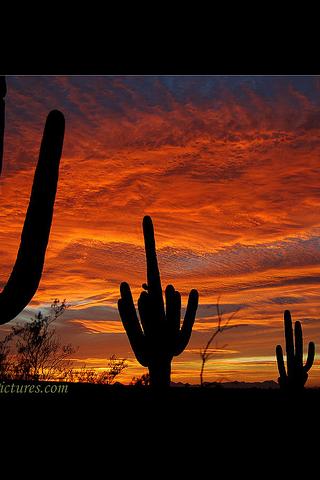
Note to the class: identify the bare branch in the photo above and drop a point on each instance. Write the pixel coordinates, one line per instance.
(205, 354)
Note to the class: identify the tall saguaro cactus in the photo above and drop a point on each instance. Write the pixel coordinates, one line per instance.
(26, 274)
(159, 337)
(296, 375)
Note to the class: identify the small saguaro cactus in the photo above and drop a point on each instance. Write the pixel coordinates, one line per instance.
(296, 375)
(159, 337)
(26, 274)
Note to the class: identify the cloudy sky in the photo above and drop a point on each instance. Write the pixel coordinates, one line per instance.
(228, 168)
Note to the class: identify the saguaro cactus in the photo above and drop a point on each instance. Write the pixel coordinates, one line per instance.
(26, 274)
(296, 375)
(159, 337)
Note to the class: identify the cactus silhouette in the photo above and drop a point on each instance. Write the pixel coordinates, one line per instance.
(26, 273)
(159, 337)
(296, 375)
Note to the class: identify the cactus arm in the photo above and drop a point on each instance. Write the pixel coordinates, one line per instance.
(3, 91)
(189, 318)
(153, 274)
(280, 362)
(145, 312)
(289, 342)
(178, 309)
(173, 309)
(131, 324)
(310, 358)
(298, 344)
(26, 274)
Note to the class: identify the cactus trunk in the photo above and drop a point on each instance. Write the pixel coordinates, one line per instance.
(160, 373)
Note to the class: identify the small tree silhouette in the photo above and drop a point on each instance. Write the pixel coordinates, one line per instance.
(38, 354)
(5, 366)
(143, 381)
(115, 367)
(205, 353)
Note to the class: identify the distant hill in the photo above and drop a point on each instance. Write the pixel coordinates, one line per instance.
(267, 384)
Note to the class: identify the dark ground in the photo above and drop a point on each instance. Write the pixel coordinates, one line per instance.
(213, 430)
(186, 405)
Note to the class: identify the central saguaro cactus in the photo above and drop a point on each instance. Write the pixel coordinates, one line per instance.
(26, 274)
(159, 337)
(297, 373)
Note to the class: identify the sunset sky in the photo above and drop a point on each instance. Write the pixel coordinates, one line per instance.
(229, 170)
